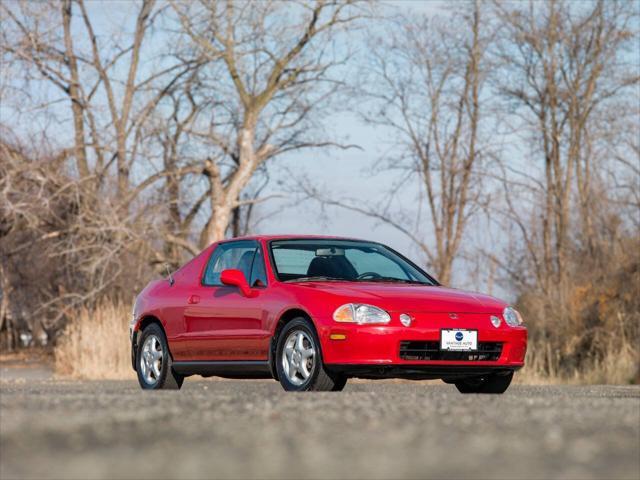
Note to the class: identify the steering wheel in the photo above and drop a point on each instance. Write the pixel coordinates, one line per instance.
(364, 275)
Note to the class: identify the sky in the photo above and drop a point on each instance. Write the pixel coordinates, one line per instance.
(335, 172)
(350, 173)
(344, 171)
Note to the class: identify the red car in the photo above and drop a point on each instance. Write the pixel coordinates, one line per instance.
(312, 312)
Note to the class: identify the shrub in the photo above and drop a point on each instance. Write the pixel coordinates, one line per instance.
(594, 335)
(94, 345)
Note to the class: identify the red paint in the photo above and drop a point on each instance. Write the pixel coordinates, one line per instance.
(237, 322)
(236, 278)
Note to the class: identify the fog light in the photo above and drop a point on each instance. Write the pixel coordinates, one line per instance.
(495, 321)
(405, 319)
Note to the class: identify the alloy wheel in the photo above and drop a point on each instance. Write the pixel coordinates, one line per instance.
(151, 360)
(298, 357)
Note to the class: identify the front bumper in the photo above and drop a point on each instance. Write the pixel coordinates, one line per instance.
(374, 351)
(419, 371)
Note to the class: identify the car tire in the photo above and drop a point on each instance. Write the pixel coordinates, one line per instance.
(299, 360)
(491, 384)
(339, 382)
(154, 362)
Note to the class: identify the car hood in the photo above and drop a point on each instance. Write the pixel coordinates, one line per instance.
(410, 298)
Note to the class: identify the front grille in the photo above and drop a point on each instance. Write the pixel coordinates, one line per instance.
(487, 352)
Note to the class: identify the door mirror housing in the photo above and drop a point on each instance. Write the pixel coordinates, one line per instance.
(236, 278)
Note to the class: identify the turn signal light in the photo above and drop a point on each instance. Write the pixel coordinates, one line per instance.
(405, 319)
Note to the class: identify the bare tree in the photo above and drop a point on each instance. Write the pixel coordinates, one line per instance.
(568, 76)
(151, 151)
(562, 65)
(77, 246)
(109, 109)
(84, 221)
(39, 36)
(426, 85)
(267, 84)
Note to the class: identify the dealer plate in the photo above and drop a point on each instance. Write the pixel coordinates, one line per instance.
(458, 339)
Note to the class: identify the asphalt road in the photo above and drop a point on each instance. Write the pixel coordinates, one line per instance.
(253, 429)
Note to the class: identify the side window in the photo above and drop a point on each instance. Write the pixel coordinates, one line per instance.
(238, 255)
(258, 272)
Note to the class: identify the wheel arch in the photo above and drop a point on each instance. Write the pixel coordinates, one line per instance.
(147, 320)
(286, 317)
(143, 323)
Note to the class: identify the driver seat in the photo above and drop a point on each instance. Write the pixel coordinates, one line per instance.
(332, 266)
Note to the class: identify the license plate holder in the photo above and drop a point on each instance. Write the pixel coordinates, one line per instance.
(458, 339)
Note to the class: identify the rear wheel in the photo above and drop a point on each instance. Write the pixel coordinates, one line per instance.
(153, 362)
(299, 360)
(491, 384)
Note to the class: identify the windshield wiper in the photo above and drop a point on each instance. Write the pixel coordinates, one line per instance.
(318, 278)
(394, 279)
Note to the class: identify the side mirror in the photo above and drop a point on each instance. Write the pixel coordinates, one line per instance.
(236, 278)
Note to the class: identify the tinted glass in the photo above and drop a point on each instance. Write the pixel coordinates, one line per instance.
(292, 260)
(366, 261)
(342, 260)
(237, 255)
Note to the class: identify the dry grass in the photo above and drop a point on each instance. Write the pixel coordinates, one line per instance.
(95, 344)
(26, 356)
(588, 331)
(619, 366)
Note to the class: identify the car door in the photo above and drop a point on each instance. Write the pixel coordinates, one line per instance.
(221, 323)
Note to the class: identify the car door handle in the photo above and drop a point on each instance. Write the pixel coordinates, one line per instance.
(193, 299)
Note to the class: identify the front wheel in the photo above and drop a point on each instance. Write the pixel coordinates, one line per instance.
(153, 362)
(299, 360)
(491, 384)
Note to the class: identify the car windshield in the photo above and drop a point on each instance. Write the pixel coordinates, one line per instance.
(342, 260)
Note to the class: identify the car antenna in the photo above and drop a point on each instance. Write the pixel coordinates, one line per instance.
(171, 280)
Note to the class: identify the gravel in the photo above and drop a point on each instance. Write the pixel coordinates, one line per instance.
(253, 429)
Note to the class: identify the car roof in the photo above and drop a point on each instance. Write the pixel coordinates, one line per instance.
(294, 237)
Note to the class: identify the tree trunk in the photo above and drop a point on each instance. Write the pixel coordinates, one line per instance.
(5, 290)
(444, 274)
(77, 107)
(122, 164)
(236, 225)
(224, 198)
(217, 225)
(173, 223)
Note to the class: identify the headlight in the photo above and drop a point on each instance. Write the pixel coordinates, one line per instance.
(512, 317)
(361, 314)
